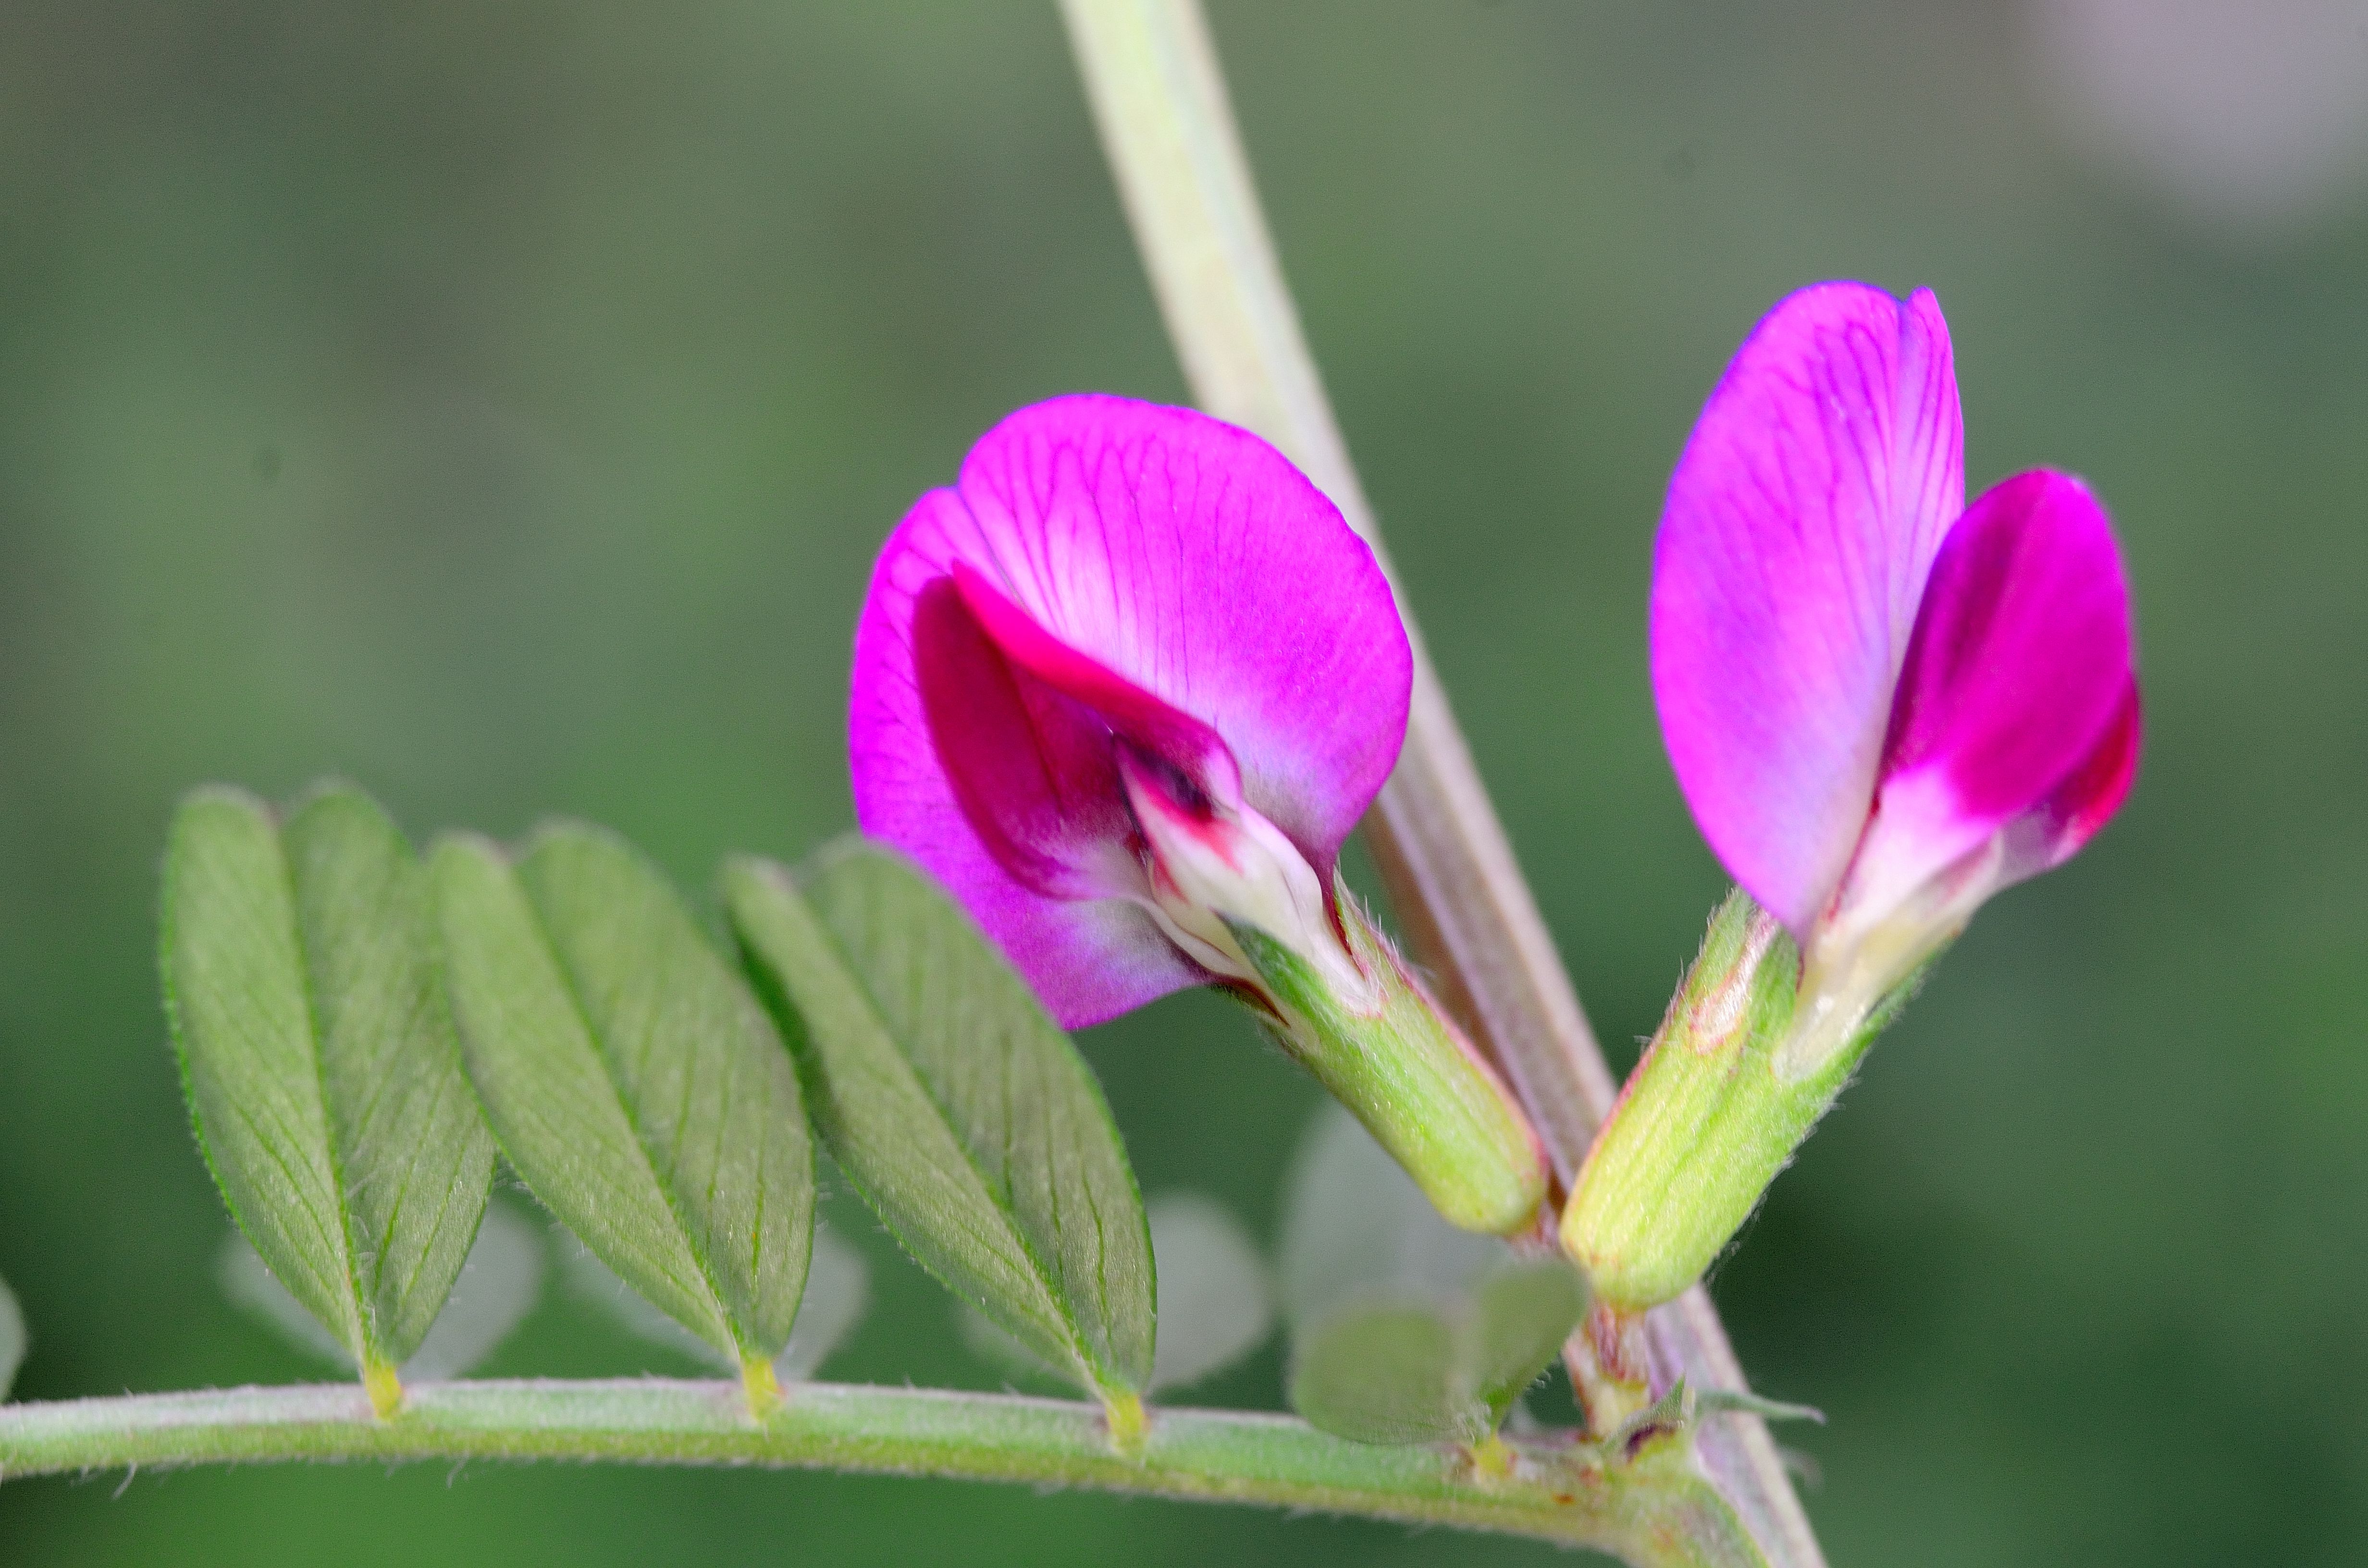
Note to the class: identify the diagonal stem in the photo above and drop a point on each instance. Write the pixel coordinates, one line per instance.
(1160, 102)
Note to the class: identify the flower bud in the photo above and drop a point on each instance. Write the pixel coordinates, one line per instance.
(1386, 1052)
(1229, 889)
(1707, 1120)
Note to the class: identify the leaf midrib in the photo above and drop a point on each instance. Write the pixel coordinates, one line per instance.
(996, 1192)
(365, 1308)
(571, 985)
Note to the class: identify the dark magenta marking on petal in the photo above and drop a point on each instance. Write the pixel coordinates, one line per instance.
(1028, 730)
(1155, 787)
(1191, 559)
(2085, 802)
(1031, 767)
(2022, 655)
(1176, 738)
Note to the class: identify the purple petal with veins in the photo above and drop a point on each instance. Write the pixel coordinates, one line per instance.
(1111, 573)
(1883, 706)
(1800, 528)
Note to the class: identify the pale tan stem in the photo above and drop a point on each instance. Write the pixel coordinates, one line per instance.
(1159, 100)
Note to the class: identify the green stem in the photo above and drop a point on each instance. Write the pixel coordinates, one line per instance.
(1159, 100)
(1652, 1509)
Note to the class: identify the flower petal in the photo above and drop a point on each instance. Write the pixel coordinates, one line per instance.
(2044, 838)
(1029, 765)
(1089, 957)
(1193, 560)
(1122, 708)
(2087, 801)
(2018, 697)
(1800, 525)
(1151, 571)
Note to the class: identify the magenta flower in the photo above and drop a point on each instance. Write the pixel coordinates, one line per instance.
(1125, 688)
(1132, 667)
(1883, 705)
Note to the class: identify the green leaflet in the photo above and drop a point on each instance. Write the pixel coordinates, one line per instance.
(1216, 1304)
(318, 1056)
(12, 1339)
(1355, 1227)
(497, 1288)
(633, 1082)
(955, 1105)
(1386, 1374)
(839, 1287)
(1405, 1329)
(1418, 1372)
(1519, 1318)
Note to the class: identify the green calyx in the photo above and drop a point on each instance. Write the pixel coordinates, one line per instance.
(1706, 1120)
(1409, 1075)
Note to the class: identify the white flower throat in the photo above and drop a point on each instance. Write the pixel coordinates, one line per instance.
(1209, 866)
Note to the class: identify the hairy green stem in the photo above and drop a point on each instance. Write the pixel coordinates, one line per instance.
(1159, 100)
(1649, 1509)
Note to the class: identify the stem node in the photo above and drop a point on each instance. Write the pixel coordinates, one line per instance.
(760, 1387)
(384, 1386)
(1128, 1424)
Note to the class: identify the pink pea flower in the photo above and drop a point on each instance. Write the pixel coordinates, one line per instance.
(1883, 705)
(1124, 689)
(1130, 651)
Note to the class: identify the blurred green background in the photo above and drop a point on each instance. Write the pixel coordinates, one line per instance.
(499, 402)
